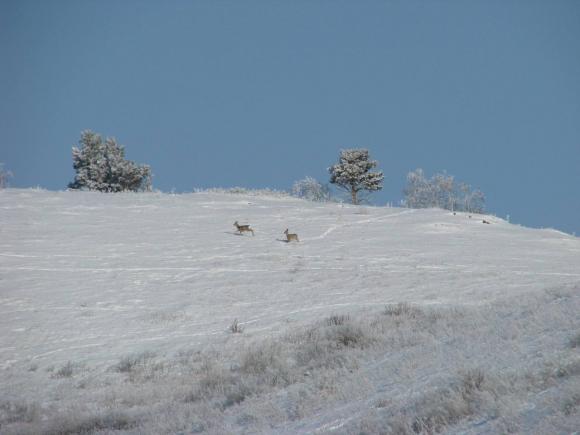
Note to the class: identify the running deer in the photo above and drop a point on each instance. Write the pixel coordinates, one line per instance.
(290, 237)
(243, 228)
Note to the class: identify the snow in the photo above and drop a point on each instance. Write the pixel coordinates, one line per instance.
(90, 278)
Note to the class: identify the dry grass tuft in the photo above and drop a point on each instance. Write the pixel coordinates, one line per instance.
(74, 423)
(18, 412)
(336, 320)
(66, 371)
(236, 328)
(131, 363)
(402, 309)
(448, 406)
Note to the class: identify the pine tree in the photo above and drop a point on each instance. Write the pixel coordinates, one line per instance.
(102, 166)
(353, 173)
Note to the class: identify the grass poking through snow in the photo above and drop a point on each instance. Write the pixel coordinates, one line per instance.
(371, 371)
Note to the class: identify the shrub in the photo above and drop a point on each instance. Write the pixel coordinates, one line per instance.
(447, 406)
(213, 380)
(260, 359)
(348, 335)
(130, 363)
(66, 371)
(311, 189)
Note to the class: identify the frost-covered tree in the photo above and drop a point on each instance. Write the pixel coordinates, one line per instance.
(477, 201)
(418, 192)
(102, 166)
(353, 173)
(444, 191)
(472, 201)
(4, 176)
(465, 195)
(441, 191)
(311, 189)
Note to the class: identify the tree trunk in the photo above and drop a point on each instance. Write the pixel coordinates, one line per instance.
(353, 195)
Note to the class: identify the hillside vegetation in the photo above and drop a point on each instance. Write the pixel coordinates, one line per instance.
(147, 313)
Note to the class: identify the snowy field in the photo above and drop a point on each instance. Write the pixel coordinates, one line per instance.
(117, 310)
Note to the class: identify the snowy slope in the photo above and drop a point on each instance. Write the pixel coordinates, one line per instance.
(87, 279)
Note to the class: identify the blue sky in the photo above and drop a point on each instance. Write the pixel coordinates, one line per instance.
(262, 93)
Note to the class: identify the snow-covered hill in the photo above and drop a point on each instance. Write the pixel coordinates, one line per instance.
(115, 314)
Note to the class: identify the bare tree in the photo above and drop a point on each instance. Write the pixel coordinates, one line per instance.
(443, 188)
(441, 191)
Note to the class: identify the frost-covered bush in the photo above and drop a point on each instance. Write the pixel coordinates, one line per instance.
(66, 371)
(311, 189)
(441, 191)
(353, 173)
(102, 166)
(131, 363)
(4, 176)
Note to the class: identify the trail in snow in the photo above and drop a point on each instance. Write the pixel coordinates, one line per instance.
(360, 222)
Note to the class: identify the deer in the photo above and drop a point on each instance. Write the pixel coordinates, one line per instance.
(243, 228)
(290, 237)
